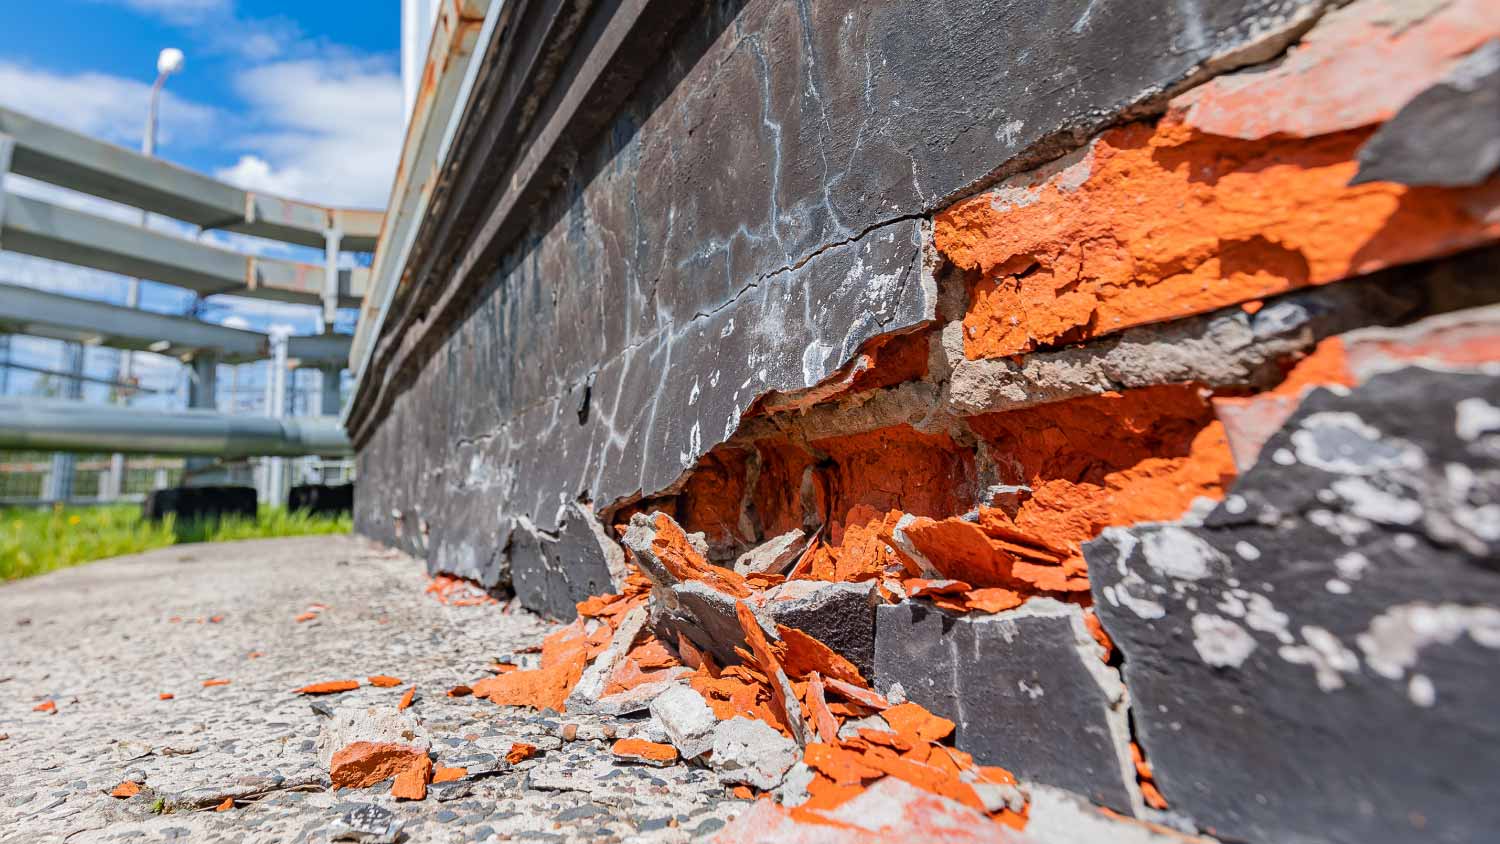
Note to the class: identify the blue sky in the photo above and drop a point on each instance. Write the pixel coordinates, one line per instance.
(301, 99)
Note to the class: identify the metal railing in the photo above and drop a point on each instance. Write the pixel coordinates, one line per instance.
(41, 228)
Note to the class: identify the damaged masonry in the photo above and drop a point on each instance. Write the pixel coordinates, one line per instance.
(999, 421)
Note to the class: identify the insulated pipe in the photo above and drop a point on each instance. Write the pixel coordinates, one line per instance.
(34, 424)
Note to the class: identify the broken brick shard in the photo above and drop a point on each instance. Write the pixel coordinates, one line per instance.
(365, 763)
(329, 688)
(645, 752)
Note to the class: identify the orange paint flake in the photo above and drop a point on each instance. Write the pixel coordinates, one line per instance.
(914, 723)
(406, 699)
(215, 682)
(47, 706)
(460, 691)
(307, 616)
(652, 654)
(1152, 796)
(329, 688)
(226, 805)
(165, 696)
(126, 789)
(742, 792)
(805, 655)
(383, 681)
(824, 794)
(635, 749)
(520, 752)
(441, 774)
(1160, 221)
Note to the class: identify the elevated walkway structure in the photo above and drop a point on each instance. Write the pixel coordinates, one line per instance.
(46, 229)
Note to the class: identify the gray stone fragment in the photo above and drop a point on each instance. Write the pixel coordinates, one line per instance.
(773, 555)
(793, 789)
(590, 687)
(751, 752)
(1448, 135)
(552, 573)
(851, 727)
(1060, 817)
(367, 824)
(1027, 689)
(639, 698)
(840, 615)
(1315, 662)
(688, 720)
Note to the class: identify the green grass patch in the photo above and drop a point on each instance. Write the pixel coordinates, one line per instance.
(36, 541)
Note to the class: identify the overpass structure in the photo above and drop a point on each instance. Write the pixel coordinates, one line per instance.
(52, 230)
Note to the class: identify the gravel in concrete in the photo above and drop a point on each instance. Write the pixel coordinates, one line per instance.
(105, 640)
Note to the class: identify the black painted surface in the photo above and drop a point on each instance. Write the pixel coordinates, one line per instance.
(1018, 687)
(750, 218)
(1448, 135)
(1318, 662)
(322, 499)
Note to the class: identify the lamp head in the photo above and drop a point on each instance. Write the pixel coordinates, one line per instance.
(169, 61)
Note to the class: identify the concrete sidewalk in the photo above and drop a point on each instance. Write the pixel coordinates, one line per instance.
(104, 641)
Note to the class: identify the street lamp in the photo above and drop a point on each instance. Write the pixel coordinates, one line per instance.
(168, 62)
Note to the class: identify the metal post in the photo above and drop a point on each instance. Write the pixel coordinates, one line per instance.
(329, 404)
(203, 382)
(276, 475)
(331, 242)
(7, 144)
(60, 479)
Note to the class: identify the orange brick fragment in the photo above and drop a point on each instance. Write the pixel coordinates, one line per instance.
(640, 750)
(365, 763)
(441, 774)
(826, 725)
(226, 805)
(682, 560)
(824, 794)
(329, 688)
(406, 699)
(520, 752)
(215, 682)
(307, 616)
(215, 619)
(165, 696)
(743, 792)
(48, 706)
(917, 587)
(766, 659)
(383, 681)
(843, 766)
(460, 691)
(993, 599)
(915, 723)
(126, 789)
(805, 655)
(541, 688)
(856, 694)
(1096, 629)
(411, 783)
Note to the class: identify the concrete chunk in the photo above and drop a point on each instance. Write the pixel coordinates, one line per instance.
(688, 720)
(752, 753)
(773, 555)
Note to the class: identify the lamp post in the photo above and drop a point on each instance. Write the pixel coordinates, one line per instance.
(168, 62)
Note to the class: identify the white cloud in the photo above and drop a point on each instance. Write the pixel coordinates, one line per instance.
(108, 107)
(334, 130)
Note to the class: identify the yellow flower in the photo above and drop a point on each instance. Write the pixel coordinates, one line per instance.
(73, 520)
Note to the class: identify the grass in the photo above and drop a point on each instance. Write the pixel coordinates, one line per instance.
(36, 541)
